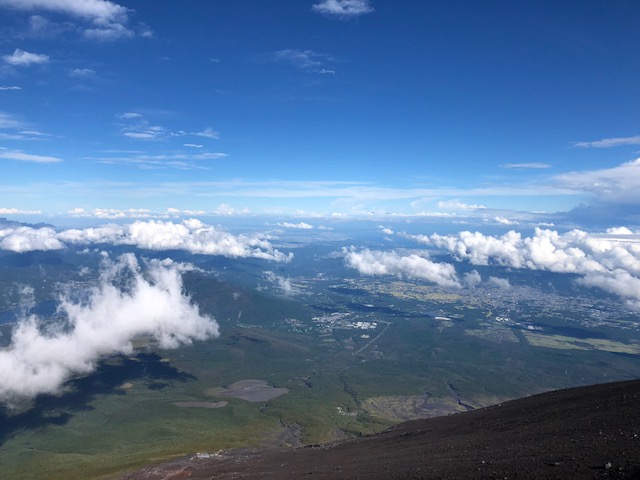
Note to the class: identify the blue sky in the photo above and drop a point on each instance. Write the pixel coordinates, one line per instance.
(438, 109)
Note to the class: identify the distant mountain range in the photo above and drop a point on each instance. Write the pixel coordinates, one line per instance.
(578, 433)
(6, 223)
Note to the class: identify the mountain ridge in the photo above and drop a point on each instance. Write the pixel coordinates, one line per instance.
(580, 432)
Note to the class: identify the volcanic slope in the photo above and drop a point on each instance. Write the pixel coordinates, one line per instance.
(584, 432)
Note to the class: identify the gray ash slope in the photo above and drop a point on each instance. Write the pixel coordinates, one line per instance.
(580, 433)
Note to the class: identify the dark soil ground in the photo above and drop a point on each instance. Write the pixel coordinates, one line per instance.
(579, 433)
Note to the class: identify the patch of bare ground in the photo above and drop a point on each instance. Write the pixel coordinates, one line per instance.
(249, 390)
(580, 433)
(201, 404)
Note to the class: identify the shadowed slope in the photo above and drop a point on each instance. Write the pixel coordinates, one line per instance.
(585, 432)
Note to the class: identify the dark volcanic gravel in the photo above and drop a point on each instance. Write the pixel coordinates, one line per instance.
(579, 433)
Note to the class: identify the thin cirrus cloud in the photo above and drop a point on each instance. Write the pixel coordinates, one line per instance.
(82, 73)
(525, 166)
(189, 235)
(305, 60)
(27, 157)
(16, 211)
(22, 58)
(9, 87)
(8, 121)
(618, 184)
(179, 161)
(135, 126)
(342, 8)
(609, 142)
(129, 300)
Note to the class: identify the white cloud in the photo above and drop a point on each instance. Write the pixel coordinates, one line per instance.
(136, 126)
(107, 19)
(27, 157)
(342, 8)
(9, 121)
(101, 11)
(113, 214)
(40, 359)
(27, 239)
(82, 73)
(113, 31)
(130, 115)
(386, 230)
(224, 209)
(9, 87)
(523, 166)
(282, 283)
(300, 226)
(208, 133)
(193, 145)
(177, 212)
(610, 142)
(373, 262)
(15, 211)
(304, 59)
(180, 161)
(20, 58)
(618, 282)
(501, 283)
(472, 278)
(190, 235)
(610, 261)
(620, 183)
(458, 205)
(505, 221)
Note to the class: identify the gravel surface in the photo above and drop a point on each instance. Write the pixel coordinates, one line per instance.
(580, 433)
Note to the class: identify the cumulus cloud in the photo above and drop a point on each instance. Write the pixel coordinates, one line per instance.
(27, 239)
(178, 212)
(472, 278)
(113, 213)
(458, 205)
(20, 58)
(501, 283)
(386, 230)
(375, 262)
(128, 302)
(107, 20)
(505, 221)
(282, 283)
(342, 8)
(190, 235)
(299, 226)
(610, 261)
